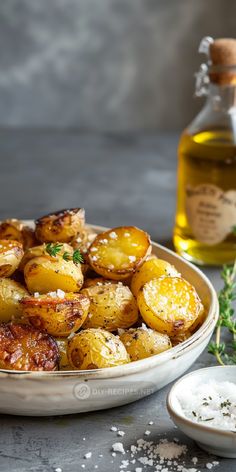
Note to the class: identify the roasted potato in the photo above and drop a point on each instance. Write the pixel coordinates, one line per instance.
(16, 230)
(58, 313)
(84, 240)
(116, 254)
(151, 268)
(11, 253)
(41, 250)
(144, 342)
(180, 338)
(112, 306)
(96, 349)
(63, 358)
(45, 274)
(11, 293)
(23, 347)
(169, 305)
(62, 226)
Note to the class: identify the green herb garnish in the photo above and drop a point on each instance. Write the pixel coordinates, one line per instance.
(53, 249)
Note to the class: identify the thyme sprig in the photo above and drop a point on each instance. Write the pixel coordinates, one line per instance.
(54, 249)
(226, 355)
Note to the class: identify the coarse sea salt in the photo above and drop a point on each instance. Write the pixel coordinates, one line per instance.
(211, 403)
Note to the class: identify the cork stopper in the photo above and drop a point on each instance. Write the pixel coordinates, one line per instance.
(223, 61)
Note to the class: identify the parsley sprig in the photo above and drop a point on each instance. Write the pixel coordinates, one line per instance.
(54, 249)
(227, 295)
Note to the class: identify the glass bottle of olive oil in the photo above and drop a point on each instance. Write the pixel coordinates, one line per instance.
(205, 229)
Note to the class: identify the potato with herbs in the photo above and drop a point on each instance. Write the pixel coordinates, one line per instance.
(11, 253)
(144, 342)
(11, 293)
(169, 305)
(116, 254)
(63, 226)
(112, 306)
(59, 313)
(96, 349)
(151, 268)
(16, 230)
(23, 347)
(44, 250)
(45, 274)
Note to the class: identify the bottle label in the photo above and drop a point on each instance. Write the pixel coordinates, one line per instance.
(211, 212)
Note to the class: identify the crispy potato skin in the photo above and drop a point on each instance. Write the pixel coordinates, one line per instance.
(45, 274)
(84, 240)
(112, 306)
(11, 293)
(96, 349)
(116, 254)
(58, 316)
(169, 305)
(16, 230)
(151, 268)
(23, 347)
(11, 253)
(63, 226)
(143, 342)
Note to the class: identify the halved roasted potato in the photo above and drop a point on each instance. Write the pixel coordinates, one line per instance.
(112, 306)
(23, 347)
(16, 230)
(58, 313)
(11, 253)
(63, 358)
(11, 293)
(96, 349)
(45, 274)
(117, 253)
(169, 305)
(151, 268)
(144, 342)
(41, 250)
(63, 226)
(84, 240)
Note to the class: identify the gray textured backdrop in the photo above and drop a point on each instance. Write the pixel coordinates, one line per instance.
(104, 64)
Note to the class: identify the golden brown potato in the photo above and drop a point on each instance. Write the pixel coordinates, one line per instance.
(96, 349)
(180, 338)
(169, 305)
(16, 230)
(63, 360)
(23, 347)
(112, 306)
(45, 274)
(63, 226)
(151, 268)
(11, 293)
(11, 253)
(116, 254)
(58, 313)
(144, 342)
(41, 250)
(97, 281)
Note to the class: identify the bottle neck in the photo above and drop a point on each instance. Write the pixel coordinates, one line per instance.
(222, 98)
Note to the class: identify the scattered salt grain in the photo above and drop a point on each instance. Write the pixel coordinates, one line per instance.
(113, 235)
(118, 447)
(58, 469)
(138, 469)
(113, 454)
(88, 455)
(121, 433)
(114, 428)
(195, 460)
(209, 465)
(150, 422)
(36, 294)
(147, 433)
(132, 258)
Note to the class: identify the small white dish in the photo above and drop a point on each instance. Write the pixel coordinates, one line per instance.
(216, 441)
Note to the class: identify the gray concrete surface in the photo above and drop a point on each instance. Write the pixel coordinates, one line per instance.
(119, 180)
(107, 64)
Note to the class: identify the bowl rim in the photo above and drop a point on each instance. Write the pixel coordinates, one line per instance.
(178, 418)
(136, 366)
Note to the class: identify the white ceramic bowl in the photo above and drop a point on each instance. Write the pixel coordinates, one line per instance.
(213, 440)
(59, 393)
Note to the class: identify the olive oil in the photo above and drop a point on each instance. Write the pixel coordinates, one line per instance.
(205, 158)
(205, 228)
